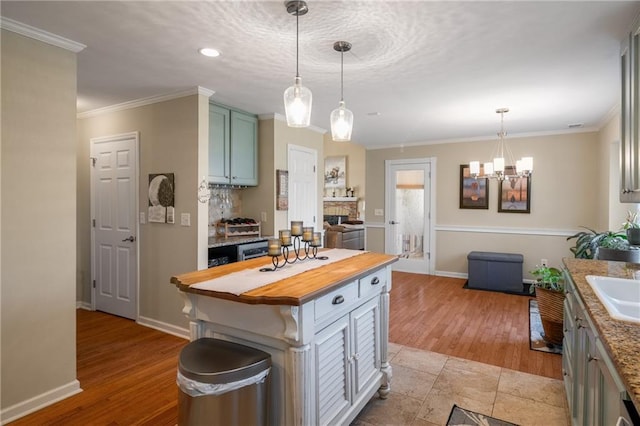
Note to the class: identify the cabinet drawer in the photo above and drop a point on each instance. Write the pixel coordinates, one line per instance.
(336, 301)
(372, 283)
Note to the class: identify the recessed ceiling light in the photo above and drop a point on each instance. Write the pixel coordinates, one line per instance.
(575, 125)
(212, 53)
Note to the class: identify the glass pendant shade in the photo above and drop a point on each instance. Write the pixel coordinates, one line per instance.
(341, 123)
(498, 164)
(297, 104)
(474, 168)
(488, 169)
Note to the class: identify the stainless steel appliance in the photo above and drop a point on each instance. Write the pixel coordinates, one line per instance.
(252, 250)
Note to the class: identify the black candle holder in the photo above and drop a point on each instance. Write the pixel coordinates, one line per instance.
(301, 248)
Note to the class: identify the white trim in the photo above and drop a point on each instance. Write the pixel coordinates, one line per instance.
(374, 225)
(38, 402)
(40, 35)
(136, 103)
(489, 138)
(164, 327)
(80, 304)
(452, 274)
(504, 230)
(280, 117)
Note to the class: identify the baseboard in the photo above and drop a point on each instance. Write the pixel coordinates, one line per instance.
(451, 274)
(80, 304)
(36, 403)
(164, 327)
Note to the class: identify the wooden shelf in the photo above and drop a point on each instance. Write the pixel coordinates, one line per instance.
(354, 199)
(229, 230)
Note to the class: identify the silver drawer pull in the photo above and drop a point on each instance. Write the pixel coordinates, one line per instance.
(338, 300)
(375, 281)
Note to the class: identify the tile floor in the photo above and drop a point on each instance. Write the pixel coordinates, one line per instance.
(425, 385)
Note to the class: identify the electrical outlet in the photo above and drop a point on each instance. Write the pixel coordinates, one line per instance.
(544, 262)
(185, 219)
(263, 216)
(378, 212)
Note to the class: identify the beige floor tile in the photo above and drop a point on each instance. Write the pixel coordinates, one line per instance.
(468, 383)
(429, 362)
(394, 348)
(397, 409)
(421, 422)
(527, 412)
(474, 366)
(541, 389)
(439, 402)
(410, 382)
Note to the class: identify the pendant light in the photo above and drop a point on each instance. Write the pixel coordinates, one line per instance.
(341, 117)
(297, 98)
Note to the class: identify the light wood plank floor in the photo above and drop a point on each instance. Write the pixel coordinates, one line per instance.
(437, 314)
(127, 371)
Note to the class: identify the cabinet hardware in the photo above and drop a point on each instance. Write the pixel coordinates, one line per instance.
(375, 281)
(338, 300)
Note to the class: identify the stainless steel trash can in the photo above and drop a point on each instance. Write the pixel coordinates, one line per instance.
(222, 383)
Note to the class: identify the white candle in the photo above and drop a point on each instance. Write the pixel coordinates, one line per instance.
(296, 228)
(274, 247)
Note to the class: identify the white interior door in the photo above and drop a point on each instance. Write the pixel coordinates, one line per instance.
(408, 207)
(303, 185)
(114, 211)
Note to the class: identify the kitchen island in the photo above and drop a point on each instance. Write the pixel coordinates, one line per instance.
(326, 329)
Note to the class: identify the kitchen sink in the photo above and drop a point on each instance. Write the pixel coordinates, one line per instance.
(620, 296)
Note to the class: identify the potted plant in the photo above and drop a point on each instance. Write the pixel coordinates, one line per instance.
(607, 245)
(632, 228)
(549, 291)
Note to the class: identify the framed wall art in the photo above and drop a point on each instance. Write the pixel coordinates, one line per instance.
(162, 197)
(474, 192)
(282, 190)
(515, 193)
(335, 172)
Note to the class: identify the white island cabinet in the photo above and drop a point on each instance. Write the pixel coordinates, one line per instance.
(326, 330)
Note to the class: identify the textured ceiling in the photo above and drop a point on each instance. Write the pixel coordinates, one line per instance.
(432, 71)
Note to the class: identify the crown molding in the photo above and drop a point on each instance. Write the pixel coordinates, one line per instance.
(280, 117)
(146, 101)
(41, 35)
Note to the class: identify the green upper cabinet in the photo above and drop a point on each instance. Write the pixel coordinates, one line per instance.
(233, 147)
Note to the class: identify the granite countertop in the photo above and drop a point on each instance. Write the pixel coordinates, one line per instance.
(621, 338)
(222, 241)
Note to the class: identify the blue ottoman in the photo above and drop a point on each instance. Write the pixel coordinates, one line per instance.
(495, 271)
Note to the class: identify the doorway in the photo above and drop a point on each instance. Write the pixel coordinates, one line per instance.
(409, 214)
(303, 185)
(114, 212)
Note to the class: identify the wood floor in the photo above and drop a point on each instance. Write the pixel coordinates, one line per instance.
(127, 371)
(437, 314)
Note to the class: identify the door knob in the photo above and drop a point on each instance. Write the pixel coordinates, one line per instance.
(130, 239)
(393, 222)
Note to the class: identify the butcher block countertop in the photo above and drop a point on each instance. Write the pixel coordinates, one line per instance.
(621, 338)
(293, 291)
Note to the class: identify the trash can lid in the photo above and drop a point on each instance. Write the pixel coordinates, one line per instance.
(216, 361)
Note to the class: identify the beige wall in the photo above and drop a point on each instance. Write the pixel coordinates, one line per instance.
(38, 296)
(356, 166)
(564, 196)
(171, 138)
(274, 139)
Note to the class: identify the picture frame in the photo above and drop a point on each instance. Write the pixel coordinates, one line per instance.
(282, 190)
(515, 193)
(474, 192)
(335, 172)
(161, 198)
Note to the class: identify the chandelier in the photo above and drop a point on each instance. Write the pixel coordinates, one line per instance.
(497, 168)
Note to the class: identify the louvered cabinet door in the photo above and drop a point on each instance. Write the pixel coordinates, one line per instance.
(365, 329)
(333, 381)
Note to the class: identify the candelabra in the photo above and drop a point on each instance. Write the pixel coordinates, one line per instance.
(303, 241)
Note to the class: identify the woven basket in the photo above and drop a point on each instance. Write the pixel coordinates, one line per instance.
(550, 305)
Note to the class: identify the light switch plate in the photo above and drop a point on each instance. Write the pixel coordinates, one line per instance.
(378, 212)
(263, 216)
(185, 219)
(143, 219)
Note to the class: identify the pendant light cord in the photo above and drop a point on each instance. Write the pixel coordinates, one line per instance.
(297, 18)
(342, 76)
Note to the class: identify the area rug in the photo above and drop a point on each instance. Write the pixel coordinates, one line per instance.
(536, 342)
(461, 416)
(524, 292)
